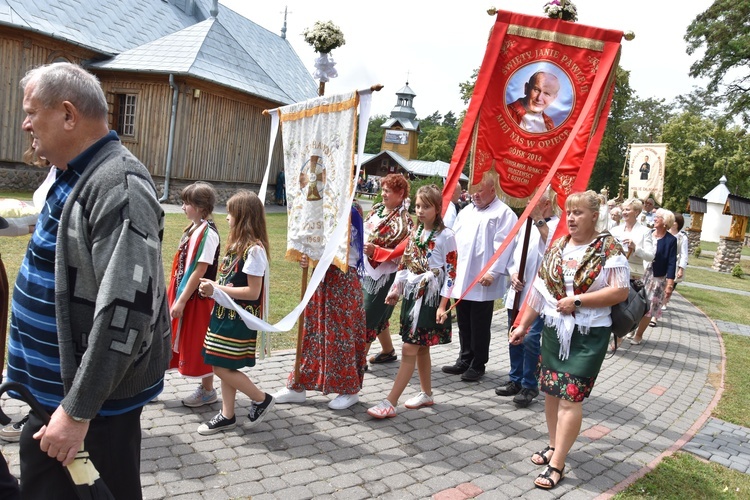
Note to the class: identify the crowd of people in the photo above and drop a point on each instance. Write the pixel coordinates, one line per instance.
(94, 265)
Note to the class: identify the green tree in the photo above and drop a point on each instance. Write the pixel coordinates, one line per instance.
(723, 33)
(374, 134)
(644, 119)
(433, 120)
(699, 102)
(466, 89)
(700, 152)
(450, 120)
(611, 156)
(435, 144)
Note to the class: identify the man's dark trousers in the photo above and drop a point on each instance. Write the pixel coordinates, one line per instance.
(474, 322)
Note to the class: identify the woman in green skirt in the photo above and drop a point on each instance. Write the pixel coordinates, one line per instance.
(387, 225)
(582, 275)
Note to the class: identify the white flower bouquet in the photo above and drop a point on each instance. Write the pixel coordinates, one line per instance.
(561, 9)
(324, 37)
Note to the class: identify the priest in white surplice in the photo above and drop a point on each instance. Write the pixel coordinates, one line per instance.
(480, 230)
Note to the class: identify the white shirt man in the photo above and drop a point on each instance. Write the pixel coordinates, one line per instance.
(480, 230)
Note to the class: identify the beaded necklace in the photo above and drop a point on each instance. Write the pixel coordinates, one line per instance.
(381, 210)
(418, 237)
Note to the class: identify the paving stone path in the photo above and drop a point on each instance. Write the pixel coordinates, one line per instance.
(649, 400)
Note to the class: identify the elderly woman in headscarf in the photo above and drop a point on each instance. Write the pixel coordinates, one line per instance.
(582, 275)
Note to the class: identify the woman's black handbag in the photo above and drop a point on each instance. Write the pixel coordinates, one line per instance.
(627, 314)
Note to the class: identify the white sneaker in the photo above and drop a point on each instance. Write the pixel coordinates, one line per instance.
(384, 409)
(286, 395)
(201, 397)
(420, 400)
(12, 433)
(343, 401)
(664, 307)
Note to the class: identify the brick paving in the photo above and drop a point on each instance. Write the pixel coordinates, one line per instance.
(649, 400)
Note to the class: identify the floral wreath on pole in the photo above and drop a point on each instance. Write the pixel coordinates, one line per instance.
(561, 9)
(324, 37)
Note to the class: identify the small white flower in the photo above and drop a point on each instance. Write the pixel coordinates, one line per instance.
(324, 37)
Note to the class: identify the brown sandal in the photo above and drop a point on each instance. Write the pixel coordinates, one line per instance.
(542, 454)
(547, 476)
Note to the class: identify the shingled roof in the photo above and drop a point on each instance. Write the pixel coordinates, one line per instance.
(175, 36)
(419, 168)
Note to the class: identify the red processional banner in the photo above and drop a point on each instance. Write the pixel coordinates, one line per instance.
(538, 110)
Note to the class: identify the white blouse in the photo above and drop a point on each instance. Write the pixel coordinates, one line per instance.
(645, 248)
(615, 273)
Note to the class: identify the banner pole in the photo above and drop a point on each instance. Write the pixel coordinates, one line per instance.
(300, 327)
(521, 273)
(620, 198)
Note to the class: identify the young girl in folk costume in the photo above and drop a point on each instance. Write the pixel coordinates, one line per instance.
(196, 258)
(425, 279)
(230, 344)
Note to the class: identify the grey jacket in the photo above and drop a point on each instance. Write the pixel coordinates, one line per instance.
(112, 315)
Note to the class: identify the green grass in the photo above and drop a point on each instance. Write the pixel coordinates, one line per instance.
(735, 400)
(712, 246)
(286, 276)
(683, 476)
(706, 261)
(718, 305)
(18, 195)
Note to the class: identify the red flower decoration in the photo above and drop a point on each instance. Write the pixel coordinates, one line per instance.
(572, 390)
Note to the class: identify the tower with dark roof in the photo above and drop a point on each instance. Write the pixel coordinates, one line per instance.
(401, 130)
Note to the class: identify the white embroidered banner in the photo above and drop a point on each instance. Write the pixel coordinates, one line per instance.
(319, 144)
(646, 171)
(340, 227)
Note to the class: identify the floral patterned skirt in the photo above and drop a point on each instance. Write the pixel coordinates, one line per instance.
(572, 379)
(655, 291)
(428, 331)
(333, 355)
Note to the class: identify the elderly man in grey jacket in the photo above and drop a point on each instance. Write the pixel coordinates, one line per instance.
(90, 333)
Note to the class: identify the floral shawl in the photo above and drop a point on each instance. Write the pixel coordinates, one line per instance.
(423, 285)
(588, 270)
(388, 232)
(391, 229)
(603, 256)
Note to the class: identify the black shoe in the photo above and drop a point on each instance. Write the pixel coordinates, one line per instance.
(525, 397)
(511, 388)
(258, 411)
(472, 375)
(456, 369)
(217, 424)
(384, 357)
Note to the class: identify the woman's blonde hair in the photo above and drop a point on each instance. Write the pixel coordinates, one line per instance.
(588, 199)
(635, 204)
(666, 215)
(249, 222)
